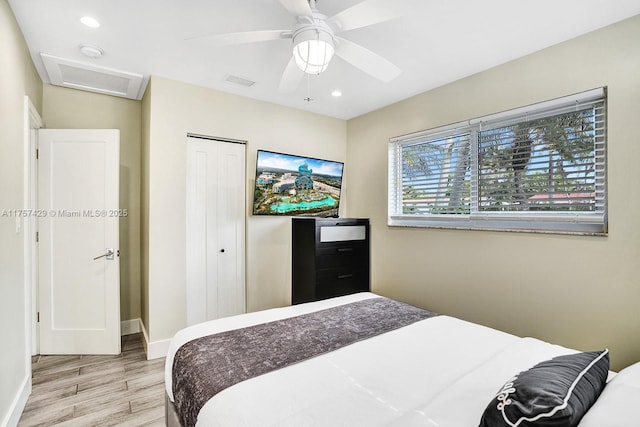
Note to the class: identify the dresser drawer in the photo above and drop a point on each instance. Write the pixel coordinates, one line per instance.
(344, 255)
(330, 276)
(342, 233)
(337, 282)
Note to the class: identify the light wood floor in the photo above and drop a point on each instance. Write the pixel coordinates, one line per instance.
(123, 390)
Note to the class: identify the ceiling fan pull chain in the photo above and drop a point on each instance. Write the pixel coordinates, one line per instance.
(308, 98)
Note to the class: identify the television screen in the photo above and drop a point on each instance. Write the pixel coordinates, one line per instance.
(296, 185)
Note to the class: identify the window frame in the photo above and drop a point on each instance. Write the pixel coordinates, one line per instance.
(557, 222)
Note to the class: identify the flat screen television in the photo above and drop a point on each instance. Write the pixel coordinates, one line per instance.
(292, 185)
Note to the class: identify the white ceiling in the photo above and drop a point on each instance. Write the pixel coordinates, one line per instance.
(435, 42)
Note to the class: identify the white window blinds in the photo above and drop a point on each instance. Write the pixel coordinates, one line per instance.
(536, 168)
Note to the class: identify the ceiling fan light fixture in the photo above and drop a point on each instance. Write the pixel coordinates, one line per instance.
(313, 49)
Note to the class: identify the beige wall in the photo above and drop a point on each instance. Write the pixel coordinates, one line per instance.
(18, 78)
(74, 109)
(172, 110)
(581, 292)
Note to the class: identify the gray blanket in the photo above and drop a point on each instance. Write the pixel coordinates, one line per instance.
(205, 366)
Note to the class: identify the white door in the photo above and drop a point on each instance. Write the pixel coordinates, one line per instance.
(79, 288)
(216, 217)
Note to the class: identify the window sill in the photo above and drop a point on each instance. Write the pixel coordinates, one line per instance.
(589, 226)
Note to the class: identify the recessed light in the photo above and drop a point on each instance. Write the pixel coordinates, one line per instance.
(90, 22)
(336, 93)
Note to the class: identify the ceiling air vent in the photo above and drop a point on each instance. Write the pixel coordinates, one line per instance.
(79, 75)
(239, 80)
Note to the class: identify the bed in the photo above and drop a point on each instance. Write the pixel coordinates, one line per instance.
(366, 360)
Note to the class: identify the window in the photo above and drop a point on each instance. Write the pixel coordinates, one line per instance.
(535, 168)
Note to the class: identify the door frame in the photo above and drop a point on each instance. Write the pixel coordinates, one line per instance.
(28, 224)
(32, 122)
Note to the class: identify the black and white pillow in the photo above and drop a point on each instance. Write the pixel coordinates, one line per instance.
(556, 392)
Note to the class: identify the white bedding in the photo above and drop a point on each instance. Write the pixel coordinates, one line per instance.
(437, 372)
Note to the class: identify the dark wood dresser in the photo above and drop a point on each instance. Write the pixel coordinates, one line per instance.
(330, 257)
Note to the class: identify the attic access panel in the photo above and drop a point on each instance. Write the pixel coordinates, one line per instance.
(83, 76)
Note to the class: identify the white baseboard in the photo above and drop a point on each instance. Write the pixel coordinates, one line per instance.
(18, 404)
(155, 349)
(128, 327)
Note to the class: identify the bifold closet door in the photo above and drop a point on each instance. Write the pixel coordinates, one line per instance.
(216, 216)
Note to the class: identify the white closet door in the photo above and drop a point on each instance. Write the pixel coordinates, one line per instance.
(216, 217)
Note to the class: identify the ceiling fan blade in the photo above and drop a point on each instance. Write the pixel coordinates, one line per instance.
(297, 7)
(246, 37)
(291, 77)
(367, 61)
(366, 13)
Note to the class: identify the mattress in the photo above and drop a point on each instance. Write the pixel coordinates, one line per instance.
(440, 371)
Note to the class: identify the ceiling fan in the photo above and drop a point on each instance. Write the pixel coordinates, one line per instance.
(315, 40)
